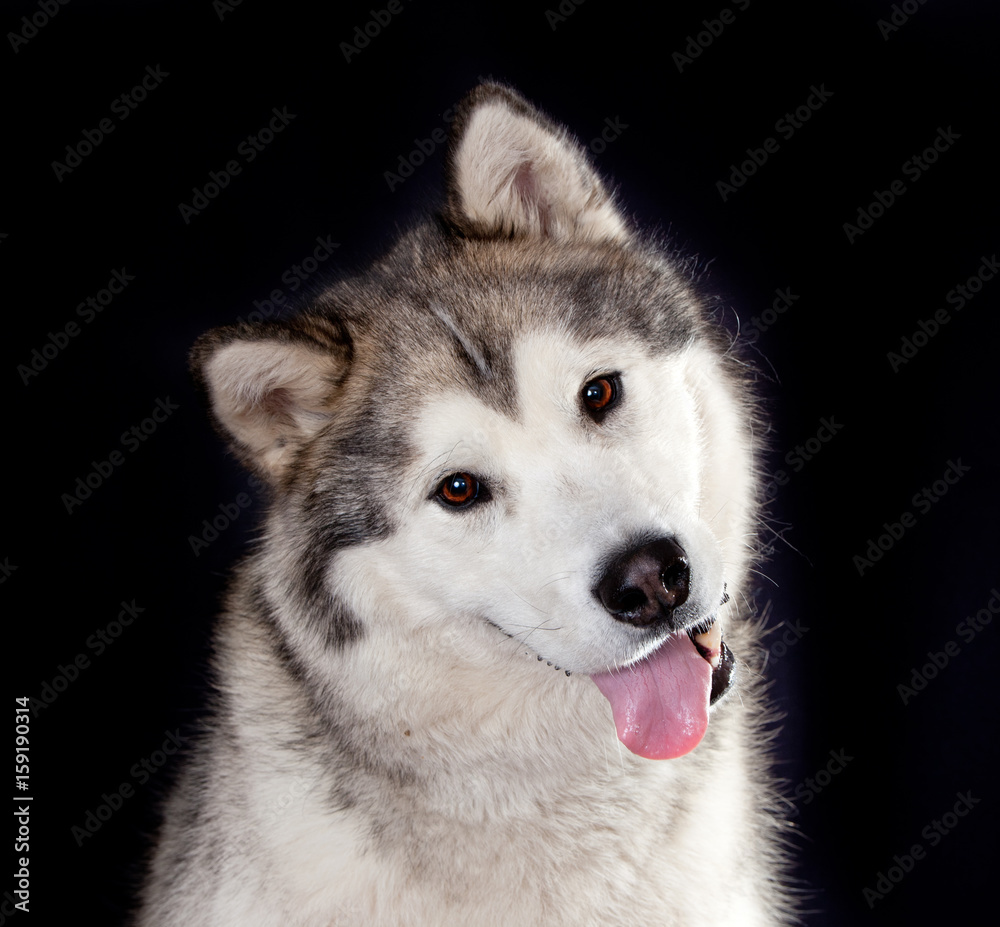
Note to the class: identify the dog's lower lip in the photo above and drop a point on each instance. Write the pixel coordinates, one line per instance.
(722, 675)
(707, 639)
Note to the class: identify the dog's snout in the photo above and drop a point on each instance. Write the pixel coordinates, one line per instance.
(646, 583)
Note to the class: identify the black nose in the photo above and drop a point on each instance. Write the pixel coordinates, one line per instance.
(645, 584)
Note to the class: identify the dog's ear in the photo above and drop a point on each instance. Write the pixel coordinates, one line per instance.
(271, 387)
(513, 173)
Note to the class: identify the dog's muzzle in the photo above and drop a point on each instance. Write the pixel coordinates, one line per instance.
(660, 703)
(647, 584)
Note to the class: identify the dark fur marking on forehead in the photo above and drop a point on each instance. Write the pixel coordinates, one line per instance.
(500, 287)
(472, 353)
(498, 390)
(483, 353)
(653, 308)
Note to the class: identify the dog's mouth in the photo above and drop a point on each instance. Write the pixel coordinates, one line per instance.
(707, 639)
(660, 704)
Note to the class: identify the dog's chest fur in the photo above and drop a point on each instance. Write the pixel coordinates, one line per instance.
(551, 839)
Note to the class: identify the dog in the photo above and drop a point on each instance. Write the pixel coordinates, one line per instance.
(490, 661)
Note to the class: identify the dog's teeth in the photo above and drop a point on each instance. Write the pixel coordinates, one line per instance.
(711, 642)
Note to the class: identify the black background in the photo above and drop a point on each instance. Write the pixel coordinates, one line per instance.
(65, 574)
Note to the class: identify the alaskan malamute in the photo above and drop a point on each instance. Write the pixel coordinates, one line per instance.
(488, 664)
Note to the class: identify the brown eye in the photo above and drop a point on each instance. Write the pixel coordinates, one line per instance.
(600, 395)
(458, 490)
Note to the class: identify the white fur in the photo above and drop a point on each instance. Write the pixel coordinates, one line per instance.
(539, 816)
(515, 174)
(519, 735)
(441, 768)
(270, 401)
(574, 495)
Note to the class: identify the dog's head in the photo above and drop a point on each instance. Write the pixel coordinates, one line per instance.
(518, 434)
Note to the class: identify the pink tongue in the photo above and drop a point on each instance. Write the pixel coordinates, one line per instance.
(660, 704)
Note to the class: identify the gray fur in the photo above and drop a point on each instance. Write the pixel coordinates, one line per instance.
(375, 756)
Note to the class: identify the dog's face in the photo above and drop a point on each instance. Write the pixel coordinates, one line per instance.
(516, 515)
(521, 435)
